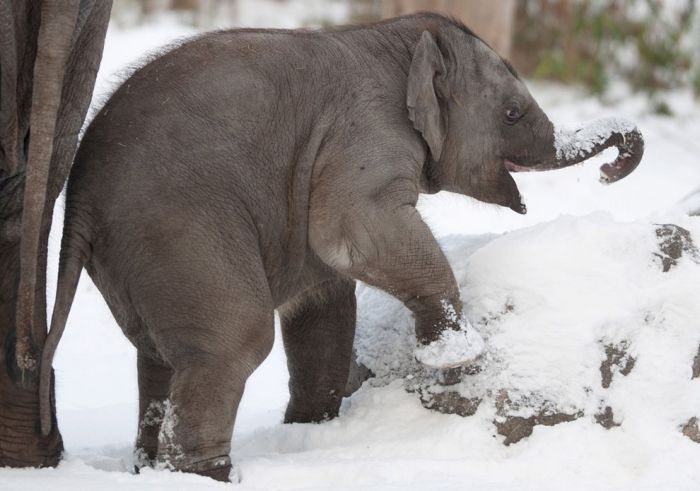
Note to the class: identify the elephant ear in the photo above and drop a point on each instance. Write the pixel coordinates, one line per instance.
(421, 98)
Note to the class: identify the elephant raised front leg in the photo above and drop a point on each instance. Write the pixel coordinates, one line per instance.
(390, 247)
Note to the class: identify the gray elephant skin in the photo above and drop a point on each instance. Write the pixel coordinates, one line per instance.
(250, 170)
(50, 51)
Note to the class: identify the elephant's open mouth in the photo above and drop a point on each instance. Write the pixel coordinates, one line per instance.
(510, 194)
(513, 167)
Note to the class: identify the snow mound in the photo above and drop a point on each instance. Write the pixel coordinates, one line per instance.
(582, 317)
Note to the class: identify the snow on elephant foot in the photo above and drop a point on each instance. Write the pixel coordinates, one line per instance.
(583, 318)
(454, 348)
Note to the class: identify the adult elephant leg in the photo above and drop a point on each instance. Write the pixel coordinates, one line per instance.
(21, 443)
(318, 329)
(154, 378)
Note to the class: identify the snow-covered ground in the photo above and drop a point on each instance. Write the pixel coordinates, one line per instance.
(577, 234)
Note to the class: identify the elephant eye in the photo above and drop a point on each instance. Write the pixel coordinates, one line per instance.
(513, 113)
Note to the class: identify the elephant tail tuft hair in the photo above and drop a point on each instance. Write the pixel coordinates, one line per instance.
(75, 252)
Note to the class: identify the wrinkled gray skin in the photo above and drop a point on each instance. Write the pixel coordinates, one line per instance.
(50, 51)
(253, 170)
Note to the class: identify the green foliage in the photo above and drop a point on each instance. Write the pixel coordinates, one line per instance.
(648, 43)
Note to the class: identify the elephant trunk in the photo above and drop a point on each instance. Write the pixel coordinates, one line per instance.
(58, 19)
(571, 147)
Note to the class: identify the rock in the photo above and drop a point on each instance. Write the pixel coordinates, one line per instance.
(617, 360)
(449, 402)
(451, 376)
(696, 365)
(674, 242)
(691, 430)
(606, 418)
(439, 391)
(515, 428)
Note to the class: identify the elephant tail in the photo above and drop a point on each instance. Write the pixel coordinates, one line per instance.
(75, 252)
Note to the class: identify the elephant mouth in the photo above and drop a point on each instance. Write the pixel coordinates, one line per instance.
(512, 198)
(513, 167)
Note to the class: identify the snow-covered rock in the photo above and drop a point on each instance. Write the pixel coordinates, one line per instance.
(582, 317)
(691, 203)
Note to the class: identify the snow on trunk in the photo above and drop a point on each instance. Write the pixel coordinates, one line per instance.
(575, 143)
(573, 146)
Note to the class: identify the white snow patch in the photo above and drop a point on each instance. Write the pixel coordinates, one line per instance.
(452, 349)
(572, 143)
(691, 203)
(154, 414)
(166, 436)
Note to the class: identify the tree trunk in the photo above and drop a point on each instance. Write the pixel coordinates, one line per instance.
(492, 20)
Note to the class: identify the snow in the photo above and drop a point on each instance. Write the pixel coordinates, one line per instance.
(556, 285)
(572, 143)
(453, 348)
(166, 435)
(548, 300)
(691, 203)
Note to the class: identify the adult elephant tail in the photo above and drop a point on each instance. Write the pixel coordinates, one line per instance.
(58, 21)
(75, 252)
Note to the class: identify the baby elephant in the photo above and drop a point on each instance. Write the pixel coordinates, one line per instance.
(250, 170)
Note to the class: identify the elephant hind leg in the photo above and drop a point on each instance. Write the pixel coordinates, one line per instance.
(318, 329)
(154, 378)
(206, 389)
(213, 324)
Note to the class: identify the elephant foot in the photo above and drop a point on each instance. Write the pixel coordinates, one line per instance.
(454, 348)
(217, 468)
(303, 417)
(308, 410)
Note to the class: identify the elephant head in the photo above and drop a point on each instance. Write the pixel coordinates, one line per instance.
(480, 122)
